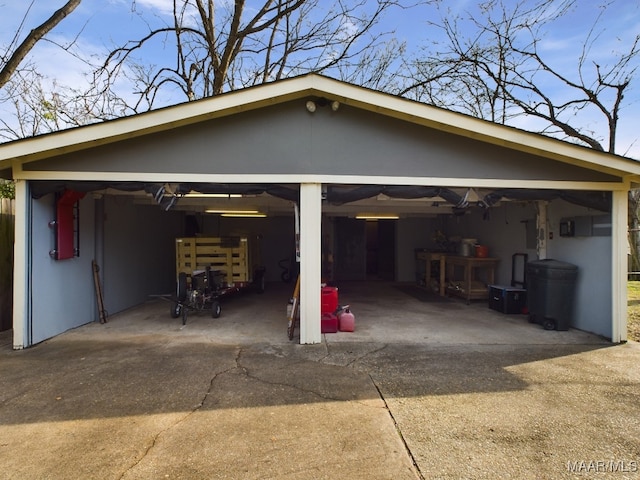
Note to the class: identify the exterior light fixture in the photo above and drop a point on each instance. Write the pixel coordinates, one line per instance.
(311, 106)
(335, 105)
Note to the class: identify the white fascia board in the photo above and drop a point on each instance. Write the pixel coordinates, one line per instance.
(323, 179)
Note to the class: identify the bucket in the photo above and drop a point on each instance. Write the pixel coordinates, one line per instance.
(467, 246)
(482, 251)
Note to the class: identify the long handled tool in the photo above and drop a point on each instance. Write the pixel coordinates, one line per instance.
(96, 281)
(295, 303)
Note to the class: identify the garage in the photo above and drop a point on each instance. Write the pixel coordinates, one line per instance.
(375, 178)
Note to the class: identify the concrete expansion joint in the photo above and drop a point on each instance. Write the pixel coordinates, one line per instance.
(398, 431)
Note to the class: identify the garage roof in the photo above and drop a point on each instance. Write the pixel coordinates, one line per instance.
(308, 87)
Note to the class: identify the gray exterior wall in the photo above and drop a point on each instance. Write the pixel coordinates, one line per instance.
(286, 139)
(62, 292)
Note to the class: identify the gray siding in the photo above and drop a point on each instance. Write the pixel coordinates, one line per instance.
(286, 139)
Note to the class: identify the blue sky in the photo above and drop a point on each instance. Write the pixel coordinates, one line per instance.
(98, 25)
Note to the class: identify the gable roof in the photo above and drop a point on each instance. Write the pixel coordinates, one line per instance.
(304, 87)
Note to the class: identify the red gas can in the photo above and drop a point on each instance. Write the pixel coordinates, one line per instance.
(346, 321)
(329, 300)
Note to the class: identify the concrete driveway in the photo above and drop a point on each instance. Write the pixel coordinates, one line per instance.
(422, 389)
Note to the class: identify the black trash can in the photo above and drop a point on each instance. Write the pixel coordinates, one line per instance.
(551, 291)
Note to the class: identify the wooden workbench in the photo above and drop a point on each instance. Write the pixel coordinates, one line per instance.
(429, 257)
(466, 286)
(461, 273)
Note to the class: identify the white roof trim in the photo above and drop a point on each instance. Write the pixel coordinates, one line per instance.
(57, 143)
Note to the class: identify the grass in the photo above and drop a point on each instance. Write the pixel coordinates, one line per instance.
(633, 311)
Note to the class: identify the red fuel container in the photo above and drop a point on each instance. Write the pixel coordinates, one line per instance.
(328, 323)
(346, 321)
(329, 300)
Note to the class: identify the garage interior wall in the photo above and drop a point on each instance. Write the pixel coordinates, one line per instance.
(139, 256)
(592, 255)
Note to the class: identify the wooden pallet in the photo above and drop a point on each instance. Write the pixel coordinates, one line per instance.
(229, 255)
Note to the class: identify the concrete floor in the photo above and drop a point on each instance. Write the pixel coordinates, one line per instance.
(384, 313)
(420, 390)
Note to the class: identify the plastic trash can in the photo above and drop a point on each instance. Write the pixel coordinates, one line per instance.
(551, 292)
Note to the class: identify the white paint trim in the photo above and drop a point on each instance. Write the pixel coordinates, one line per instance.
(21, 288)
(328, 179)
(619, 274)
(310, 262)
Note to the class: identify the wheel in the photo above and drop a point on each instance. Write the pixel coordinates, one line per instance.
(260, 285)
(549, 324)
(176, 310)
(182, 287)
(216, 309)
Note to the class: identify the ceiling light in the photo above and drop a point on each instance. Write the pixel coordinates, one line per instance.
(212, 195)
(377, 216)
(244, 215)
(244, 212)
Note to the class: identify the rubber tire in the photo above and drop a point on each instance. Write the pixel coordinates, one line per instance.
(185, 311)
(549, 324)
(260, 285)
(176, 310)
(216, 309)
(182, 287)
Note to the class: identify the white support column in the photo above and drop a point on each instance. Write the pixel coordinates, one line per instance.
(310, 261)
(21, 290)
(619, 248)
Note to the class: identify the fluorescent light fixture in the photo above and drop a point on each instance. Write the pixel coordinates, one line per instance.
(377, 216)
(212, 195)
(244, 215)
(227, 210)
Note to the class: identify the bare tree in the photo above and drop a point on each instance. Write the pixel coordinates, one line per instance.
(16, 52)
(496, 71)
(491, 66)
(220, 46)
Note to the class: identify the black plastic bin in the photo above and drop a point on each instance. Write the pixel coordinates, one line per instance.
(551, 291)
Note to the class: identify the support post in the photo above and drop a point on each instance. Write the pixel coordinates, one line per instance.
(21, 261)
(619, 248)
(310, 262)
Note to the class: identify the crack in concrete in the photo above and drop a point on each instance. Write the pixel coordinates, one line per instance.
(198, 406)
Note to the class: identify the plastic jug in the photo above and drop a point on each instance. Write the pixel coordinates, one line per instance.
(346, 321)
